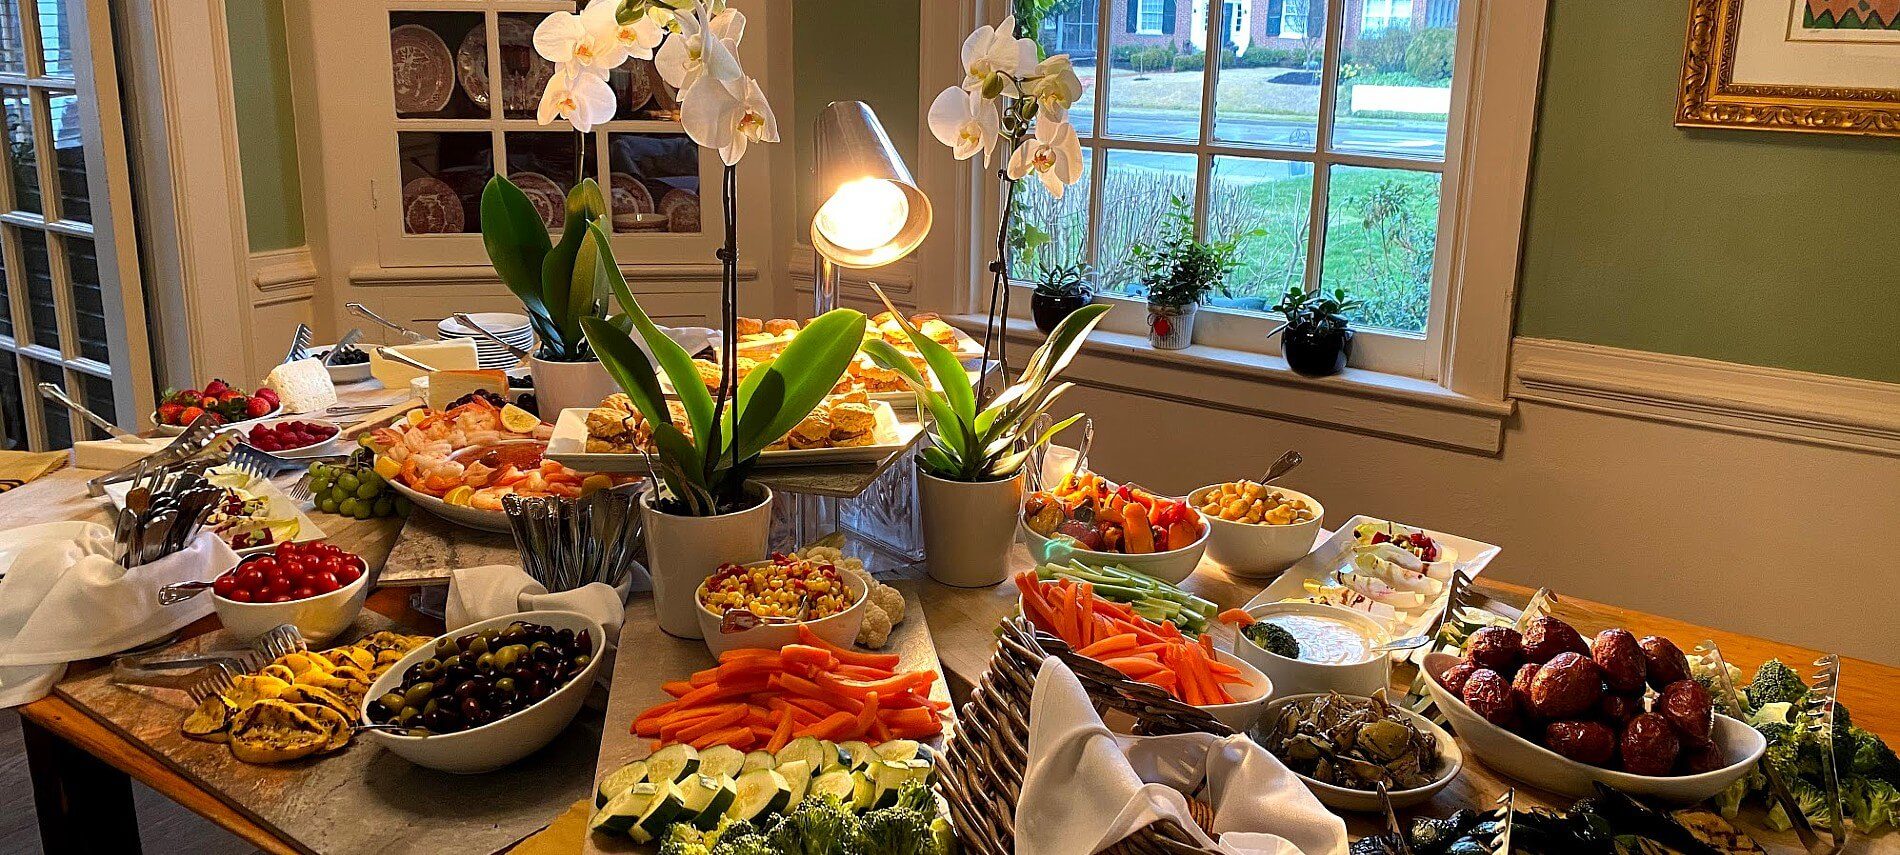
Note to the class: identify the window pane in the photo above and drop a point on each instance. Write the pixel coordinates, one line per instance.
(524, 74)
(442, 179)
(12, 406)
(89, 309)
(1136, 193)
(543, 165)
(70, 154)
(1381, 232)
(1395, 80)
(1064, 220)
(53, 415)
(655, 182)
(21, 154)
(99, 399)
(56, 38)
(1268, 93)
(39, 289)
(12, 48)
(1071, 29)
(1273, 197)
(640, 93)
(1154, 88)
(439, 63)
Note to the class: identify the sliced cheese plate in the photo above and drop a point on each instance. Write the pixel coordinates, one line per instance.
(568, 446)
(1333, 560)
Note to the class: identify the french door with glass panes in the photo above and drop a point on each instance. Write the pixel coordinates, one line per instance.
(70, 309)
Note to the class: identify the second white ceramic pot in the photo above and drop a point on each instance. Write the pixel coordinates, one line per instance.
(683, 551)
(969, 528)
(567, 385)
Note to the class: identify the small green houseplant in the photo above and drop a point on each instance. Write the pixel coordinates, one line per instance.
(1178, 272)
(1317, 336)
(1060, 290)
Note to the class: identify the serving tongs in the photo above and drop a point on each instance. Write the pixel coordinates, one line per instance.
(1820, 703)
(347, 342)
(299, 344)
(200, 435)
(175, 671)
(363, 311)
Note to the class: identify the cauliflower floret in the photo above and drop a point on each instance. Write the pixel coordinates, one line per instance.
(876, 628)
(890, 600)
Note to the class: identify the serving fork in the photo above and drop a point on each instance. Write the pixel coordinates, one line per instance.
(299, 344)
(349, 338)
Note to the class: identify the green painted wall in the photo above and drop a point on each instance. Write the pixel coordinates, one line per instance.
(267, 123)
(855, 50)
(1743, 246)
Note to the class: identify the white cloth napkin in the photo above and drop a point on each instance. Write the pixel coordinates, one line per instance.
(1088, 788)
(65, 598)
(493, 590)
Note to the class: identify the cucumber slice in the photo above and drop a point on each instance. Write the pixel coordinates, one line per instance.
(898, 749)
(863, 792)
(838, 784)
(860, 754)
(758, 760)
(666, 807)
(888, 777)
(797, 774)
(762, 792)
(673, 763)
(706, 799)
(822, 756)
(721, 761)
(619, 781)
(621, 811)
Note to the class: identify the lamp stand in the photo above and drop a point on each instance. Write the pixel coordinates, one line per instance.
(824, 291)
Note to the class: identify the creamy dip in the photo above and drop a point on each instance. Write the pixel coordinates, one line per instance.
(1323, 639)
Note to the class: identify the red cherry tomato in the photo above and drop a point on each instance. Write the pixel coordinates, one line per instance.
(279, 585)
(224, 585)
(243, 595)
(347, 575)
(249, 576)
(280, 598)
(322, 582)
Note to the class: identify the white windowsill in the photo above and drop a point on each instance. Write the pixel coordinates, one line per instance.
(1357, 400)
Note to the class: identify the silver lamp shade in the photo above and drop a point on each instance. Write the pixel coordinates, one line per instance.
(872, 212)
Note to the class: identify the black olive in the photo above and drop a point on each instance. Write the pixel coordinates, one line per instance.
(470, 689)
(472, 708)
(584, 641)
(565, 637)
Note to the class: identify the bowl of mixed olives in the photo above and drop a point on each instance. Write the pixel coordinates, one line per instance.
(481, 697)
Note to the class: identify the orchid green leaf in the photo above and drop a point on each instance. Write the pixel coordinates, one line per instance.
(672, 359)
(798, 380)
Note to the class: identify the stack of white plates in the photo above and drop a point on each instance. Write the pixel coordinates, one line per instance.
(508, 327)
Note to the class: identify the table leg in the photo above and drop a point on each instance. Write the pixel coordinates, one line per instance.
(84, 804)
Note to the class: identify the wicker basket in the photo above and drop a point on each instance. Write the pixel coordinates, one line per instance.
(983, 771)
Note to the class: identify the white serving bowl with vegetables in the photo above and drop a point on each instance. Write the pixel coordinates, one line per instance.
(679, 784)
(839, 627)
(1447, 759)
(1330, 645)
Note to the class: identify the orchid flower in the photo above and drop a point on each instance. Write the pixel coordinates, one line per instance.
(966, 122)
(708, 42)
(993, 55)
(589, 40)
(1054, 154)
(1054, 87)
(642, 35)
(716, 118)
(582, 97)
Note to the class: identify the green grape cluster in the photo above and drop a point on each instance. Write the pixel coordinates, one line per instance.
(352, 490)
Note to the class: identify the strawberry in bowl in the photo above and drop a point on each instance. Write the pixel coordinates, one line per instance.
(224, 403)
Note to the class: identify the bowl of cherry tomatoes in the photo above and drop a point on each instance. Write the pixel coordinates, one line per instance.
(315, 585)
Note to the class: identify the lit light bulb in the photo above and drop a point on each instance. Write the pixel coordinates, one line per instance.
(864, 214)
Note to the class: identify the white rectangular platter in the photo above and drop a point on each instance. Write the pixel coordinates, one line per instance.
(568, 446)
(1334, 554)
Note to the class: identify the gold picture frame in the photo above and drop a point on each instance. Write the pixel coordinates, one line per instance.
(1710, 97)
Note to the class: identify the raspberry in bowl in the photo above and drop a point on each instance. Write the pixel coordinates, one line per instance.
(291, 436)
(316, 586)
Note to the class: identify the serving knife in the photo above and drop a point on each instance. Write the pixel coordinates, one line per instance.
(363, 311)
(410, 361)
(54, 393)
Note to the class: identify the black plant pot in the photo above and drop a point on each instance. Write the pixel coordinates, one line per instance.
(1050, 309)
(1316, 355)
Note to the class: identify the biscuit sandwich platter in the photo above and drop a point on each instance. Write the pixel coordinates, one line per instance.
(846, 428)
(760, 342)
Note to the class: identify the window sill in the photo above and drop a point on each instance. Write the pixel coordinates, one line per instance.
(1357, 400)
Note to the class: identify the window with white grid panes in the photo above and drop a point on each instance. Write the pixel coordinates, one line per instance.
(52, 304)
(1326, 134)
(466, 84)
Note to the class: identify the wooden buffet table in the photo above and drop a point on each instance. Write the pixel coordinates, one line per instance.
(82, 762)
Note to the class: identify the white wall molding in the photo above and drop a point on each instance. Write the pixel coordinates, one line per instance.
(898, 280)
(276, 270)
(1841, 412)
(653, 278)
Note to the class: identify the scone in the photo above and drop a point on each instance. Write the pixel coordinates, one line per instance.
(813, 432)
(708, 372)
(852, 424)
(781, 326)
(750, 326)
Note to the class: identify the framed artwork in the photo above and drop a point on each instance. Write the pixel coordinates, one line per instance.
(1817, 66)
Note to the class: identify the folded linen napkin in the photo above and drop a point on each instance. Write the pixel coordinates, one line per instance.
(19, 467)
(1088, 788)
(65, 598)
(493, 590)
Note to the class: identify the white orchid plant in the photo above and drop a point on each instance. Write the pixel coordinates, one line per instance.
(1010, 97)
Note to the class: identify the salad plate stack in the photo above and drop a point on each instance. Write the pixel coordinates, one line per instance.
(507, 326)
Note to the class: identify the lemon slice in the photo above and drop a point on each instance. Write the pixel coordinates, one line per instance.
(416, 415)
(460, 495)
(519, 420)
(388, 468)
(595, 483)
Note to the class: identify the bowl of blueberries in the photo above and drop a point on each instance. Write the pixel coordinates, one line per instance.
(351, 364)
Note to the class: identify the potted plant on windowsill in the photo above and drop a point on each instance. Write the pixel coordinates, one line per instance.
(1179, 271)
(1060, 290)
(1317, 336)
(970, 472)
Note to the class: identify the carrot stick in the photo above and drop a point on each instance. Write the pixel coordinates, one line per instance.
(712, 724)
(677, 688)
(1134, 666)
(848, 657)
(783, 733)
(1109, 646)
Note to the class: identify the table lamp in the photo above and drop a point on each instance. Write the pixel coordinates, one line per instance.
(872, 214)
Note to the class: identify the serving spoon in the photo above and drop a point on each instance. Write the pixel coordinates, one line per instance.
(1280, 467)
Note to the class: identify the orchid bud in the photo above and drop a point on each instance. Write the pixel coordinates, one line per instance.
(993, 86)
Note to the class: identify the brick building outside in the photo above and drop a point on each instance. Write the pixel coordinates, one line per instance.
(1278, 24)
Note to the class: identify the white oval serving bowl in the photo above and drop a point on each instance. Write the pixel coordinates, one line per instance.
(1450, 761)
(1298, 676)
(319, 618)
(840, 629)
(1259, 550)
(505, 740)
(174, 430)
(340, 374)
(1538, 766)
(1171, 566)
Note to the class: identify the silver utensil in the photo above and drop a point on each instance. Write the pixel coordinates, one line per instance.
(1393, 827)
(1778, 791)
(179, 592)
(199, 436)
(299, 344)
(1285, 464)
(54, 393)
(1409, 643)
(347, 342)
(155, 532)
(1820, 707)
(519, 353)
(393, 356)
(1082, 451)
(363, 311)
(146, 669)
(258, 463)
(1040, 453)
(353, 410)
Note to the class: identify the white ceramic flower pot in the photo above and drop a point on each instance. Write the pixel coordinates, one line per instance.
(566, 385)
(683, 551)
(1171, 327)
(969, 528)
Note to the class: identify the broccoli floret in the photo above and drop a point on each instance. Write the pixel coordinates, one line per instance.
(1274, 639)
(1872, 757)
(684, 839)
(1775, 683)
(898, 831)
(1809, 798)
(819, 826)
(1871, 803)
(752, 842)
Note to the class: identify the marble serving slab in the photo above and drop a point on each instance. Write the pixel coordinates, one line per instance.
(430, 546)
(363, 799)
(648, 657)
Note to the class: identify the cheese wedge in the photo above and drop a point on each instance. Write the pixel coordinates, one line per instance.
(113, 453)
(304, 386)
(446, 386)
(441, 355)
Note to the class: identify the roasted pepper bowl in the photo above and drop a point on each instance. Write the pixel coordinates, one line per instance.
(1450, 761)
(840, 629)
(1538, 766)
(1171, 566)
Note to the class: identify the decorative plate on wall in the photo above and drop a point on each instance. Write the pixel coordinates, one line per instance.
(425, 73)
(681, 207)
(549, 201)
(431, 207)
(524, 74)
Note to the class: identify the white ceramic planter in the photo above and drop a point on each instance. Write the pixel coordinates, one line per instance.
(1171, 327)
(566, 385)
(683, 551)
(969, 528)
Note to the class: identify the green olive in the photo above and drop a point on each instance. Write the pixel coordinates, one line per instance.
(478, 646)
(452, 661)
(486, 662)
(491, 634)
(392, 702)
(505, 685)
(431, 706)
(418, 694)
(581, 661)
(407, 715)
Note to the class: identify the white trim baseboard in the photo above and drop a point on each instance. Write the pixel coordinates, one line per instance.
(1841, 412)
(289, 269)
